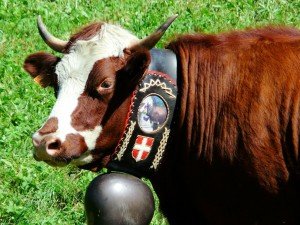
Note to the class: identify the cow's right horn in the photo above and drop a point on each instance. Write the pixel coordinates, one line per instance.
(53, 42)
(150, 41)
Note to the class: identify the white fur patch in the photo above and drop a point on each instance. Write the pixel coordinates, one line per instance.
(73, 71)
(90, 136)
(83, 159)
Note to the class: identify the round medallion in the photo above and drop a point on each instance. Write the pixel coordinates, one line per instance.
(152, 113)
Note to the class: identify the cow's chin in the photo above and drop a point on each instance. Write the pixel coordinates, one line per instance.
(53, 161)
(86, 161)
(56, 163)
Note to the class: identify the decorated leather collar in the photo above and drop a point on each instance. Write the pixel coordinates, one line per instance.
(149, 123)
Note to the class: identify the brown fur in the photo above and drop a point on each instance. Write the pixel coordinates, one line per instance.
(127, 74)
(237, 155)
(73, 146)
(49, 127)
(41, 67)
(238, 96)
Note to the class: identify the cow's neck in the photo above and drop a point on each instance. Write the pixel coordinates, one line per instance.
(147, 134)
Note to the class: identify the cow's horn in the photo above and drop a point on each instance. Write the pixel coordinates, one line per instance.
(150, 41)
(53, 42)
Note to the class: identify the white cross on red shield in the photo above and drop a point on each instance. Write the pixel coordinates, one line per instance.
(142, 147)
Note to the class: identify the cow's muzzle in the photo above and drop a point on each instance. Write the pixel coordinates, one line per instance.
(51, 145)
(48, 149)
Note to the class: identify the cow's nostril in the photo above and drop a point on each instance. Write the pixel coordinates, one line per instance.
(54, 145)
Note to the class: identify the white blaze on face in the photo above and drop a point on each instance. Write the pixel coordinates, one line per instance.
(72, 73)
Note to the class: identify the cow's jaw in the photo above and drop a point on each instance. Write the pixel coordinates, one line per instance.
(72, 74)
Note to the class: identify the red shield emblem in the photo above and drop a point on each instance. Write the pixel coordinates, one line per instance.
(142, 147)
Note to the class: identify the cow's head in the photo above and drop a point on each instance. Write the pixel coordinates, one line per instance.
(93, 82)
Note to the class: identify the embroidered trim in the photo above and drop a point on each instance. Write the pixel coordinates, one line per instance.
(161, 149)
(126, 140)
(158, 83)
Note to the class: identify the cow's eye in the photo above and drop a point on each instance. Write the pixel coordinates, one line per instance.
(106, 84)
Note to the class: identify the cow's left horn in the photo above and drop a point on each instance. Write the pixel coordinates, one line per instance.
(150, 41)
(53, 42)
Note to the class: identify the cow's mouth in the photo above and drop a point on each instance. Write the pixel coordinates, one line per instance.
(87, 160)
(53, 161)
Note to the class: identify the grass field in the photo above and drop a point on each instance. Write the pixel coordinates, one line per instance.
(32, 192)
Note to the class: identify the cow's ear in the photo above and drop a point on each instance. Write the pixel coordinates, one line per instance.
(41, 67)
(135, 66)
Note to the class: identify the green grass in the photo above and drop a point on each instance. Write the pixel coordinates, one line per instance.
(32, 192)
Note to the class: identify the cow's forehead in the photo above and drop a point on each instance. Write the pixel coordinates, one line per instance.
(109, 41)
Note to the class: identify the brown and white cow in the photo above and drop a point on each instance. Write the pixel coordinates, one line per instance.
(235, 156)
(87, 90)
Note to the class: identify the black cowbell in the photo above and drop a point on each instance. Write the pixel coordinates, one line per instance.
(118, 199)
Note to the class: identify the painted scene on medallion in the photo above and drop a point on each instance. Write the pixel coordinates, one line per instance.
(152, 113)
